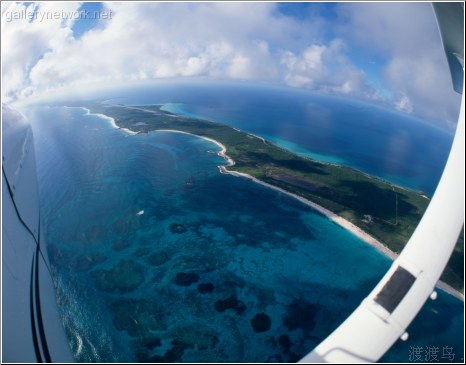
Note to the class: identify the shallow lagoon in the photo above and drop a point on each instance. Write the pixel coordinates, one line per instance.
(216, 269)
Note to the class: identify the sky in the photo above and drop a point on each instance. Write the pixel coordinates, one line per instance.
(384, 53)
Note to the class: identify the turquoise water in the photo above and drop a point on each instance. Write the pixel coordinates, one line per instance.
(216, 268)
(290, 146)
(393, 146)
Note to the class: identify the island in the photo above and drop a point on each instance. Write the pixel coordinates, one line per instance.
(383, 214)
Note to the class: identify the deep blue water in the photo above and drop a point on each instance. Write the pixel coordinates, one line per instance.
(394, 146)
(184, 280)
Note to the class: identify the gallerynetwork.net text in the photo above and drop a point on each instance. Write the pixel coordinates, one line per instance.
(56, 15)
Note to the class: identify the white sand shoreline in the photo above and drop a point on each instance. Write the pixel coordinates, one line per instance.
(111, 120)
(358, 232)
(329, 214)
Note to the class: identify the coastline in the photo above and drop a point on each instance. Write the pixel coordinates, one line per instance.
(329, 214)
(358, 232)
(110, 119)
(342, 222)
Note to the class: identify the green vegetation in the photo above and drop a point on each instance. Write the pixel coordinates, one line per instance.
(385, 211)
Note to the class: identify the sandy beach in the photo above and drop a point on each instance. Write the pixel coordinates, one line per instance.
(343, 223)
(358, 232)
(111, 120)
(329, 214)
(332, 216)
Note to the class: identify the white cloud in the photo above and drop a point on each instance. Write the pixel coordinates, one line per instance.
(325, 68)
(304, 69)
(247, 41)
(148, 40)
(23, 42)
(203, 39)
(403, 104)
(406, 35)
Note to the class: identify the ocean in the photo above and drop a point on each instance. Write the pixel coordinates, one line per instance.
(393, 146)
(157, 256)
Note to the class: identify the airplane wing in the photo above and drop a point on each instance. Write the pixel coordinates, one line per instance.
(450, 24)
(31, 329)
(384, 315)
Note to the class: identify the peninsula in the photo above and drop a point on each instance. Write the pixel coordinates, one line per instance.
(381, 213)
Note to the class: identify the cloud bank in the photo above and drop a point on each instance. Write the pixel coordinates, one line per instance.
(239, 41)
